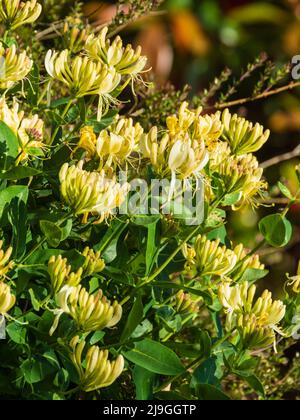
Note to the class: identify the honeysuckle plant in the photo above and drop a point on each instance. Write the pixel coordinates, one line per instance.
(109, 288)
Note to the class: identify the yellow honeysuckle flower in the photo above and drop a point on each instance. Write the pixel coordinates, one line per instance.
(248, 262)
(83, 76)
(87, 141)
(260, 318)
(75, 37)
(93, 263)
(254, 336)
(241, 135)
(98, 371)
(61, 275)
(7, 299)
(90, 312)
(5, 263)
(208, 128)
(125, 60)
(116, 143)
(91, 192)
(185, 304)
(14, 13)
(207, 258)
(29, 130)
(14, 66)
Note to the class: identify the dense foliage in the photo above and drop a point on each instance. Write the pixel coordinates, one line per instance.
(106, 292)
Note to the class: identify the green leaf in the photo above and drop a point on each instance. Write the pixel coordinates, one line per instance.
(207, 392)
(17, 332)
(17, 216)
(205, 345)
(155, 357)
(37, 368)
(260, 12)
(276, 229)
(19, 172)
(52, 232)
(204, 294)
(135, 317)
(205, 373)
(144, 220)
(143, 380)
(9, 146)
(231, 199)
(19, 192)
(96, 337)
(285, 191)
(255, 384)
(253, 274)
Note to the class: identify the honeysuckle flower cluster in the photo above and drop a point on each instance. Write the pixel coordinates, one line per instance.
(14, 66)
(29, 130)
(210, 258)
(15, 13)
(185, 304)
(93, 263)
(99, 371)
(91, 192)
(257, 321)
(61, 275)
(5, 263)
(242, 136)
(90, 312)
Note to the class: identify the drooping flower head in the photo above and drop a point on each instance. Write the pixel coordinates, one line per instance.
(7, 299)
(14, 66)
(14, 13)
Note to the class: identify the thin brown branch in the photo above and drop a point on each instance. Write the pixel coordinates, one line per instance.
(281, 158)
(263, 95)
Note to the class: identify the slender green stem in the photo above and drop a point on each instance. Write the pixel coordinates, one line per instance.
(65, 111)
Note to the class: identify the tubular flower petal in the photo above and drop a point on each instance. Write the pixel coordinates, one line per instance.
(207, 258)
(185, 304)
(90, 312)
(14, 67)
(7, 300)
(87, 141)
(14, 13)
(75, 37)
(98, 372)
(241, 135)
(247, 262)
(255, 319)
(5, 263)
(90, 192)
(125, 60)
(61, 275)
(294, 281)
(116, 143)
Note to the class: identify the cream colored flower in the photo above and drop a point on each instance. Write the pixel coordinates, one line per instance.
(84, 76)
(14, 66)
(241, 135)
(90, 312)
(207, 258)
(97, 371)
(7, 299)
(294, 281)
(91, 192)
(116, 143)
(125, 60)
(14, 13)
(60, 274)
(29, 130)
(75, 37)
(5, 263)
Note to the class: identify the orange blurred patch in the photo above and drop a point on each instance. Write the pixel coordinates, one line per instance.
(188, 33)
(285, 121)
(291, 39)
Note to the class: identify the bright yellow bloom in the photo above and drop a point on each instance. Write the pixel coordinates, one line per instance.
(93, 263)
(116, 143)
(241, 135)
(14, 13)
(91, 192)
(60, 273)
(5, 263)
(7, 300)
(98, 371)
(207, 258)
(90, 312)
(253, 335)
(87, 141)
(14, 67)
(125, 60)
